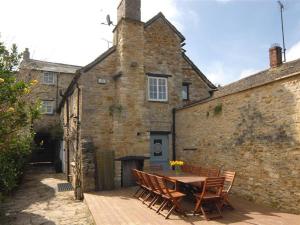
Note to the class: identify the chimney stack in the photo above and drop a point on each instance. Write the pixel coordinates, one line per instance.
(26, 54)
(130, 9)
(275, 55)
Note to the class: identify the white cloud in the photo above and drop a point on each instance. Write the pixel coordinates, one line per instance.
(68, 31)
(247, 72)
(293, 52)
(216, 73)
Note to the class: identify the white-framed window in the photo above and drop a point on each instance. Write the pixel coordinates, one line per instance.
(49, 77)
(47, 107)
(185, 92)
(158, 89)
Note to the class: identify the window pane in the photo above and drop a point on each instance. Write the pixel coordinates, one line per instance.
(157, 88)
(184, 92)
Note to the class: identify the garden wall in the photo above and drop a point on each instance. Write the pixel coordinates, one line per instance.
(256, 133)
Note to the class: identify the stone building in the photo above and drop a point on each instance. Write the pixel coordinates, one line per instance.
(121, 103)
(143, 102)
(53, 80)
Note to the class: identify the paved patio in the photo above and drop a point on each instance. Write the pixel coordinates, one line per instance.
(119, 207)
(38, 202)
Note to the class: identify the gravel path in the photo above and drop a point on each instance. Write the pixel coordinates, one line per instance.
(38, 202)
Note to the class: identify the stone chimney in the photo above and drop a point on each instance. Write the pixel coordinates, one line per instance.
(130, 9)
(275, 54)
(26, 54)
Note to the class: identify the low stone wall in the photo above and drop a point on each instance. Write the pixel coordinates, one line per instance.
(255, 133)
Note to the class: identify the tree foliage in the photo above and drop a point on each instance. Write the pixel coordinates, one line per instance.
(17, 113)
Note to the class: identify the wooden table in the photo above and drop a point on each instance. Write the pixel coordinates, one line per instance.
(180, 177)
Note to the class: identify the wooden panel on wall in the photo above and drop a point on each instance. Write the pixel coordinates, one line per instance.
(105, 173)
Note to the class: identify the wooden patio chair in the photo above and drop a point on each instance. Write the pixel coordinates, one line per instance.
(138, 182)
(171, 197)
(196, 170)
(213, 172)
(156, 167)
(145, 185)
(211, 194)
(186, 168)
(204, 172)
(153, 195)
(229, 179)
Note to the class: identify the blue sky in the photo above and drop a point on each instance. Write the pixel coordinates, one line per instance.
(227, 39)
(230, 39)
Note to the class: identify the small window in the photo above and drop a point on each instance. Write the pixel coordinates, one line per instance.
(185, 91)
(158, 89)
(49, 77)
(47, 107)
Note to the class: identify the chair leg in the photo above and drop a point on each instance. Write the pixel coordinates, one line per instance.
(197, 207)
(170, 211)
(153, 200)
(204, 213)
(165, 201)
(218, 208)
(137, 191)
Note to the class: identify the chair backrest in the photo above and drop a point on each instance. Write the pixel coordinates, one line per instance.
(155, 167)
(213, 185)
(140, 176)
(160, 184)
(186, 168)
(136, 176)
(229, 179)
(145, 179)
(153, 182)
(163, 187)
(204, 172)
(149, 181)
(213, 172)
(196, 170)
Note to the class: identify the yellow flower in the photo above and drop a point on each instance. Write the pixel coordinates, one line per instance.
(33, 82)
(26, 90)
(1, 80)
(10, 109)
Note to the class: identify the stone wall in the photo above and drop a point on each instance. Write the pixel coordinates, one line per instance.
(255, 133)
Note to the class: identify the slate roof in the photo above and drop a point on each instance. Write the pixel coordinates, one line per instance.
(260, 78)
(49, 66)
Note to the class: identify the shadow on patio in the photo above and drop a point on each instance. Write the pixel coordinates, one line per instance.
(119, 207)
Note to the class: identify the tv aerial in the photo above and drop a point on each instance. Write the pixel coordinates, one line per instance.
(281, 6)
(108, 21)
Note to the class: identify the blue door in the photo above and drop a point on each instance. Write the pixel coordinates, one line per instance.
(159, 150)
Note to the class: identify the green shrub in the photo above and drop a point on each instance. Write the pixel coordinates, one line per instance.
(12, 162)
(17, 113)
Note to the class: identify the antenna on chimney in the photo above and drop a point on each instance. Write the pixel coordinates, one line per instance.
(107, 41)
(108, 21)
(282, 30)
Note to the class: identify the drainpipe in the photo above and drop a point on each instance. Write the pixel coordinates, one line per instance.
(173, 134)
(68, 144)
(78, 121)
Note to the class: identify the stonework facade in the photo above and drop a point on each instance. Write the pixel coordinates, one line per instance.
(31, 69)
(254, 132)
(108, 110)
(117, 114)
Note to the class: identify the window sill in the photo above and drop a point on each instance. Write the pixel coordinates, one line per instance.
(156, 101)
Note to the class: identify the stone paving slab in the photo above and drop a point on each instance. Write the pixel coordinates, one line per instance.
(38, 202)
